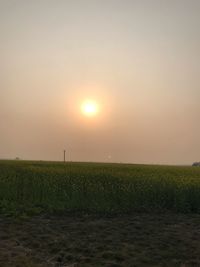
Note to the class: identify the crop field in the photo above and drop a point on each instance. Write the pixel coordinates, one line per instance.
(88, 214)
(33, 187)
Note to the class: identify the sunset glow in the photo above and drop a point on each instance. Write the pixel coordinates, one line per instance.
(117, 78)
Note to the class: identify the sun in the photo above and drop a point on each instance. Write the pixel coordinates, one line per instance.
(89, 108)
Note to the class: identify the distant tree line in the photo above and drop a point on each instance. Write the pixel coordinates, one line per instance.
(196, 164)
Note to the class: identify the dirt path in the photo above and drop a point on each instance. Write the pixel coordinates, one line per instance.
(131, 240)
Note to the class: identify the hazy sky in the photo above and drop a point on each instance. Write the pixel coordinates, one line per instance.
(138, 59)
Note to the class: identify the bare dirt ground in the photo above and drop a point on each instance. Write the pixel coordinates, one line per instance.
(89, 240)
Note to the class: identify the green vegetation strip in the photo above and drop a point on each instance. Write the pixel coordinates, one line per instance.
(34, 187)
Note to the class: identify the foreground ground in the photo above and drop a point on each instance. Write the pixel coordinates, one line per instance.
(89, 240)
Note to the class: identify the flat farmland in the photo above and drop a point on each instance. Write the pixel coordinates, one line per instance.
(95, 214)
(32, 187)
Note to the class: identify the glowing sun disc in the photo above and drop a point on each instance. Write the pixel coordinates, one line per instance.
(89, 108)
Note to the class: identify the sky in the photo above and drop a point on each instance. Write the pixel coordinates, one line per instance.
(139, 60)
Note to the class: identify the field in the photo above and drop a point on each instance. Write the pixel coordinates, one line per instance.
(92, 214)
(33, 187)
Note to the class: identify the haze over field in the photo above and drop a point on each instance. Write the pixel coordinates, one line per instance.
(108, 80)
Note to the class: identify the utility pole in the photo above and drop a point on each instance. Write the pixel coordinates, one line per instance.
(64, 155)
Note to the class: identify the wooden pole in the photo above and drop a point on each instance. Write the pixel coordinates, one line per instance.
(64, 155)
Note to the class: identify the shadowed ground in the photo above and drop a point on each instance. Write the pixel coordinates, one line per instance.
(89, 240)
